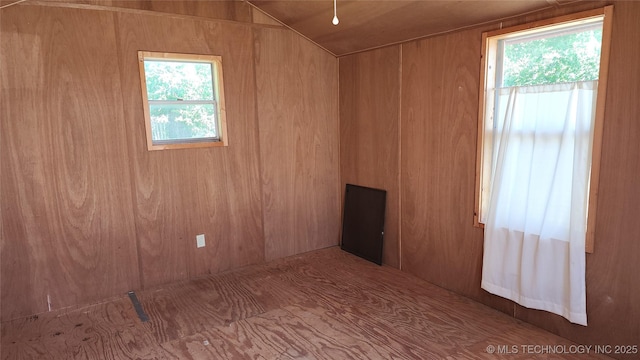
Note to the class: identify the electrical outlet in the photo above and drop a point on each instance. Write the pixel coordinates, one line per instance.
(200, 240)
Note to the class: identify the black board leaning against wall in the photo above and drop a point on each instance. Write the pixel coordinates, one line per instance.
(363, 222)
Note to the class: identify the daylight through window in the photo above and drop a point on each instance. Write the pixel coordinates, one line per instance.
(539, 152)
(540, 122)
(183, 100)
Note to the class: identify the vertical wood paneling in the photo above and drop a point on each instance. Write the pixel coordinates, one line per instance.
(439, 95)
(67, 226)
(70, 161)
(613, 297)
(438, 146)
(87, 208)
(369, 121)
(297, 114)
(182, 193)
(326, 304)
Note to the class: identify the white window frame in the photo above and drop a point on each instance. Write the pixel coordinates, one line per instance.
(217, 101)
(487, 81)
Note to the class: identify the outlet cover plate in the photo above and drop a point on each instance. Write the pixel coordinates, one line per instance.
(200, 240)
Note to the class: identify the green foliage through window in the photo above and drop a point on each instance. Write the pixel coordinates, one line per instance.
(554, 59)
(181, 100)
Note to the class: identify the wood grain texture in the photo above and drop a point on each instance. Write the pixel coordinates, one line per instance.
(439, 118)
(613, 299)
(371, 24)
(440, 246)
(7, 3)
(259, 17)
(566, 9)
(228, 10)
(102, 331)
(342, 307)
(369, 123)
(68, 234)
(233, 10)
(182, 193)
(153, 204)
(297, 114)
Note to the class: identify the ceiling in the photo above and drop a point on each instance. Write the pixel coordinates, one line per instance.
(366, 24)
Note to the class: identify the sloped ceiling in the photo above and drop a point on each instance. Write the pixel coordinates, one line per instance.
(366, 24)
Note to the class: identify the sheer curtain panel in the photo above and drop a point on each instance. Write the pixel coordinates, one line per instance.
(534, 251)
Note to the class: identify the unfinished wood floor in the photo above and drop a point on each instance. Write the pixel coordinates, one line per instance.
(325, 304)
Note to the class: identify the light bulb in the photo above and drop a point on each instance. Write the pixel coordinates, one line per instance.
(335, 20)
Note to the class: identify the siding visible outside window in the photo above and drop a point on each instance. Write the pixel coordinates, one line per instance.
(183, 97)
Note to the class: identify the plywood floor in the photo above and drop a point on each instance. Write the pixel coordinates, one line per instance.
(325, 304)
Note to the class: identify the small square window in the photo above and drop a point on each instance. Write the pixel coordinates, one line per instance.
(183, 100)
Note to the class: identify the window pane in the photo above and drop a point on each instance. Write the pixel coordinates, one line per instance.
(567, 56)
(171, 122)
(171, 80)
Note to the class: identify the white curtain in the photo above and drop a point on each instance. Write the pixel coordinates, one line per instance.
(534, 251)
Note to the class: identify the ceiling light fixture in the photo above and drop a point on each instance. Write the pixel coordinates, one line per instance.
(335, 20)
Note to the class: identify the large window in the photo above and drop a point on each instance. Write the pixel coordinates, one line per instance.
(183, 99)
(543, 91)
(539, 154)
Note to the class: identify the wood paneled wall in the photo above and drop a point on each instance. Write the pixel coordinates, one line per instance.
(438, 123)
(68, 232)
(613, 295)
(8, 2)
(439, 118)
(234, 10)
(182, 193)
(89, 213)
(299, 139)
(369, 130)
